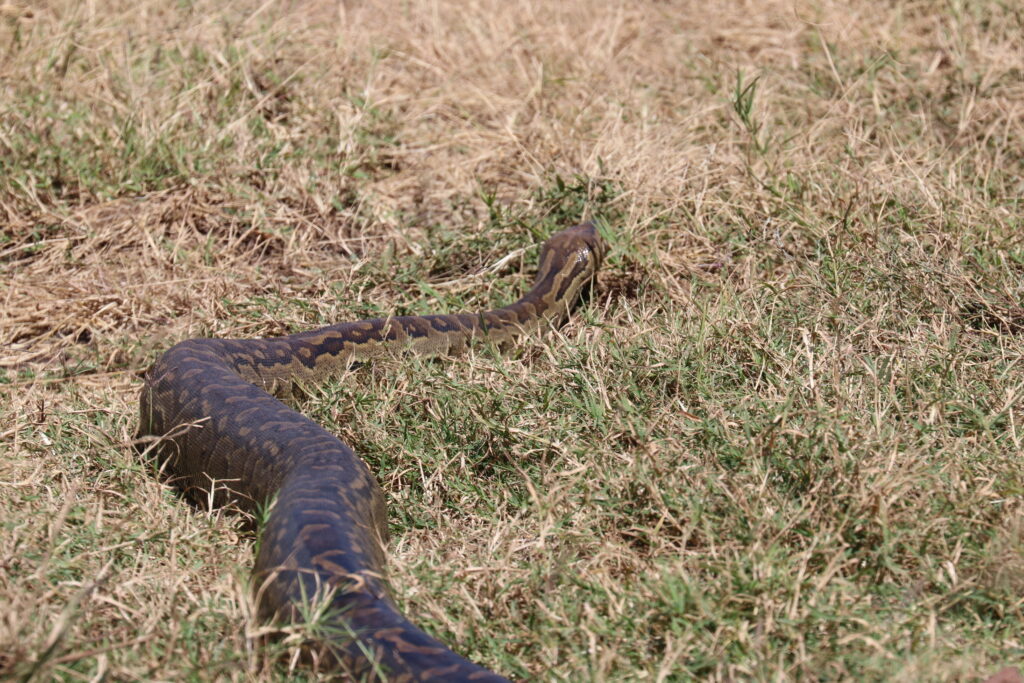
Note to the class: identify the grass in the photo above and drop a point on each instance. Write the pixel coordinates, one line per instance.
(782, 441)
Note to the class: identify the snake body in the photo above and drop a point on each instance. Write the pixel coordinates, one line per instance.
(226, 439)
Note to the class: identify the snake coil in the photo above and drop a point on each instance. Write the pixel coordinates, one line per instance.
(226, 439)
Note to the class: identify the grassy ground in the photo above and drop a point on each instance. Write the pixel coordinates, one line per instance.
(783, 441)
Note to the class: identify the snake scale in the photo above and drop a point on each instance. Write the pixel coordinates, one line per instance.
(224, 439)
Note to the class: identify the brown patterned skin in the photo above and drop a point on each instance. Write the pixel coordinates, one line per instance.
(227, 439)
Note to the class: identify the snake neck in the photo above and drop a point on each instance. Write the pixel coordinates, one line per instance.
(568, 264)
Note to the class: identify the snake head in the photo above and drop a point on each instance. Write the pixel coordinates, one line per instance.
(596, 244)
(580, 245)
(568, 264)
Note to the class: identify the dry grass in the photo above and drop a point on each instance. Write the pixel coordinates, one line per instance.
(783, 442)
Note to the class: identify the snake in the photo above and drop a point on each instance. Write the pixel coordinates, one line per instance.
(215, 412)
